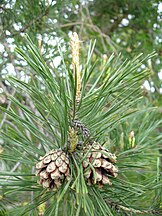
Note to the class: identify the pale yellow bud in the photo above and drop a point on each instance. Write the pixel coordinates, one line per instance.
(74, 42)
(132, 139)
(75, 45)
(131, 134)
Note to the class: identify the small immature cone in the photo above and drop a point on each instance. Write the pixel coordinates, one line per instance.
(74, 42)
(78, 125)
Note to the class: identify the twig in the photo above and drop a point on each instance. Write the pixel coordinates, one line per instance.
(34, 110)
(32, 21)
(70, 24)
(15, 167)
(4, 116)
(96, 29)
(131, 210)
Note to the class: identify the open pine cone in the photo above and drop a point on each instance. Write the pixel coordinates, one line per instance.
(98, 164)
(53, 169)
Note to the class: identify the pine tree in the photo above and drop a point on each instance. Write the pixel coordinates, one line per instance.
(71, 137)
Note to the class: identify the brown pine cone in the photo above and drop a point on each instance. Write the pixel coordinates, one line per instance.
(99, 163)
(53, 169)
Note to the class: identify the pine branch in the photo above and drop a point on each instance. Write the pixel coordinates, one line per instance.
(45, 121)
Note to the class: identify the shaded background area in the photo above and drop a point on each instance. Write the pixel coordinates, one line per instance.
(128, 27)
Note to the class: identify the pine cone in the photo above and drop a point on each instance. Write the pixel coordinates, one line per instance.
(53, 169)
(98, 164)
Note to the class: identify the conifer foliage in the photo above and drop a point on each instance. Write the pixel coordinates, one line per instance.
(68, 144)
